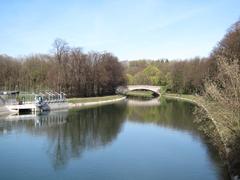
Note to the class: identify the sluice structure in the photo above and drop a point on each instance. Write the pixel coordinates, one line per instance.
(15, 102)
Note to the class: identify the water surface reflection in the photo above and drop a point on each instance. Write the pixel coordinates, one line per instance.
(127, 140)
(70, 133)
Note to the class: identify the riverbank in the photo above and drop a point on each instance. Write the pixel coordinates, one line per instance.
(213, 123)
(77, 102)
(92, 101)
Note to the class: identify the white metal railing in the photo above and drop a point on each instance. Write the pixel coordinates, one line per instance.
(48, 97)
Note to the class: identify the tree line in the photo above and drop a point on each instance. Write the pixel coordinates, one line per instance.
(193, 76)
(179, 76)
(223, 86)
(68, 70)
(94, 74)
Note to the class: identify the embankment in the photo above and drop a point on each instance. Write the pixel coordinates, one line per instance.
(76, 102)
(215, 127)
(84, 102)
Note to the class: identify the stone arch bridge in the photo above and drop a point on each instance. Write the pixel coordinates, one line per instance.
(154, 89)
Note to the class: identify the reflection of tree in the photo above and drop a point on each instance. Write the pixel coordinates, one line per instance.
(170, 113)
(178, 115)
(71, 133)
(85, 129)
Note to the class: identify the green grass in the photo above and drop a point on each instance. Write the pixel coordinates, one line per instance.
(92, 99)
(147, 94)
(186, 96)
(199, 100)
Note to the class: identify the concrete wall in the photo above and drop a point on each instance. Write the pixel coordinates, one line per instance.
(4, 110)
(56, 106)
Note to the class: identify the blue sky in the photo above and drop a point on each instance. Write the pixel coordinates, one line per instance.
(130, 29)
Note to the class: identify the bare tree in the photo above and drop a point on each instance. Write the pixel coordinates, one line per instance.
(61, 55)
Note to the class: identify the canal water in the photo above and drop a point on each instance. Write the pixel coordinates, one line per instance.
(123, 141)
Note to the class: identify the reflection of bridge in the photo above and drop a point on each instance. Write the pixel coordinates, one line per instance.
(152, 102)
(154, 89)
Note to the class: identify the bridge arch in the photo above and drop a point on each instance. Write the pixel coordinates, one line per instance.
(154, 89)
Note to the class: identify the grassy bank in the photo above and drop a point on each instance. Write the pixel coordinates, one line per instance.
(214, 122)
(213, 110)
(93, 99)
(144, 94)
